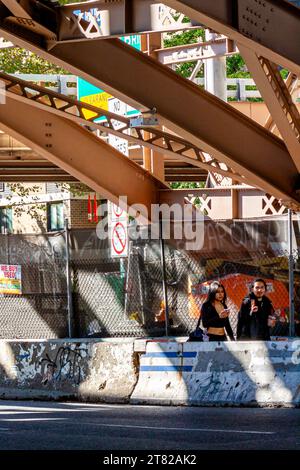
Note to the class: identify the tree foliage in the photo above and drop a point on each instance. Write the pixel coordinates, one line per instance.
(17, 60)
(190, 36)
(36, 211)
(187, 185)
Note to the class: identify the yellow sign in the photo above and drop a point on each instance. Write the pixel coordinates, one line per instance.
(100, 100)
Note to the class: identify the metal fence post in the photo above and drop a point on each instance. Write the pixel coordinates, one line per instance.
(69, 283)
(291, 274)
(163, 264)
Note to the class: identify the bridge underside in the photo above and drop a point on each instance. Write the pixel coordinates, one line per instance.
(27, 166)
(248, 151)
(80, 154)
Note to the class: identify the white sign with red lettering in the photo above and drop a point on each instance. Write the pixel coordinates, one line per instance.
(10, 279)
(119, 238)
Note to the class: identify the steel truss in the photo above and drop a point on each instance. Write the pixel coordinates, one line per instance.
(253, 23)
(80, 154)
(91, 20)
(163, 142)
(277, 98)
(271, 160)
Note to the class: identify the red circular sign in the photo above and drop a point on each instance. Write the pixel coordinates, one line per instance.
(119, 238)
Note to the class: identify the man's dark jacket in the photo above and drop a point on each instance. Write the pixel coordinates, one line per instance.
(254, 326)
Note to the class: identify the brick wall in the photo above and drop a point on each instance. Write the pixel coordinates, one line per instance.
(79, 214)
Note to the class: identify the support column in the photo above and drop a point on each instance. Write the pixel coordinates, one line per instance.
(216, 83)
(153, 161)
(215, 72)
(235, 209)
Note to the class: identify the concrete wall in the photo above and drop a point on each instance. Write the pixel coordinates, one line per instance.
(85, 370)
(152, 372)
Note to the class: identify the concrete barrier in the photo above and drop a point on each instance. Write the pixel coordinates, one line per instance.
(227, 373)
(90, 370)
(168, 373)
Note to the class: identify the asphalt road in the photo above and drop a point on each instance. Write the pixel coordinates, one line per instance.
(26, 425)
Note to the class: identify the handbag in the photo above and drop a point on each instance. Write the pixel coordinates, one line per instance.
(197, 334)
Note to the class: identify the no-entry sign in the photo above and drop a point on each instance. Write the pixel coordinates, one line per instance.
(119, 239)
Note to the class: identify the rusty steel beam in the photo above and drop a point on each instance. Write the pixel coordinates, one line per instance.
(80, 154)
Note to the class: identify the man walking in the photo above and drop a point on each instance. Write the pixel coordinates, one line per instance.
(253, 319)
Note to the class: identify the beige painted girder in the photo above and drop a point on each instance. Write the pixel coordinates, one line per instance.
(271, 28)
(277, 99)
(221, 132)
(291, 86)
(79, 153)
(187, 110)
(156, 140)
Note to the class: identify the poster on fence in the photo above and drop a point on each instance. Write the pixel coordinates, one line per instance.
(10, 279)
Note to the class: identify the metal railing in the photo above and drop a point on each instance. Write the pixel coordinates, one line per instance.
(238, 89)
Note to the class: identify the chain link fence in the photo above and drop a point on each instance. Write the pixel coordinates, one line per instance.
(40, 311)
(119, 297)
(125, 297)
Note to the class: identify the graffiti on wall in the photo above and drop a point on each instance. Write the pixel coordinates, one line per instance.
(66, 364)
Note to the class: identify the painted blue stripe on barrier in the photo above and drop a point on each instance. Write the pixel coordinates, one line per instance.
(166, 368)
(171, 354)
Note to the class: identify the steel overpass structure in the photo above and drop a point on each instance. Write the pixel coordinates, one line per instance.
(193, 122)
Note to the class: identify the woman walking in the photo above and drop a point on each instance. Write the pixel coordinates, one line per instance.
(214, 314)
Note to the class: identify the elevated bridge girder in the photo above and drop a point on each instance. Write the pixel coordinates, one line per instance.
(80, 153)
(160, 141)
(251, 23)
(217, 133)
(93, 19)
